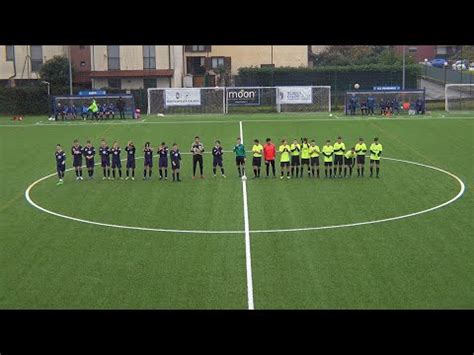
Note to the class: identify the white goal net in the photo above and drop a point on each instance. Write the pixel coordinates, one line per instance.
(459, 97)
(239, 100)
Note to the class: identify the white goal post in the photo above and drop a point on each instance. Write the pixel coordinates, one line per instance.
(239, 100)
(459, 97)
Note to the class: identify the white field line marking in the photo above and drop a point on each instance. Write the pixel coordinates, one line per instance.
(248, 255)
(460, 193)
(340, 119)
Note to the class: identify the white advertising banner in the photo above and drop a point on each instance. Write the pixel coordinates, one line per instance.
(182, 97)
(295, 95)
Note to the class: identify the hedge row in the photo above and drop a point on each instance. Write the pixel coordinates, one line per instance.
(340, 78)
(34, 100)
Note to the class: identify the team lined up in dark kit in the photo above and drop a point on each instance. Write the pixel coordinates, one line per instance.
(293, 158)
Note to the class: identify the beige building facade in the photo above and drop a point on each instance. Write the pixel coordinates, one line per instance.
(24, 62)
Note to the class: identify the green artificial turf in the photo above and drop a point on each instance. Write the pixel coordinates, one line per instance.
(425, 261)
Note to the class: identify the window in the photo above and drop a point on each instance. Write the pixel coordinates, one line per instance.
(113, 57)
(149, 57)
(36, 57)
(149, 83)
(412, 49)
(197, 48)
(9, 53)
(83, 64)
(217, 62)
(114, 83)
(267, 65)
(81, 47)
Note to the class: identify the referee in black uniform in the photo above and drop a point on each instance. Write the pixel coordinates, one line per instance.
(197, 148)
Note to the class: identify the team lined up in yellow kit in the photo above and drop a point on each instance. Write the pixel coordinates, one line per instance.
(335, 157)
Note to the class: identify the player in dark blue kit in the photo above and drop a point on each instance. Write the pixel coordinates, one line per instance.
(60, 163)
(89, 153)
(104, 152)
(370, 105)
(116, 163)
(217, 154)
(77, 153)
(175, 157)
(148, 163)
(163, 160)
(130, 149)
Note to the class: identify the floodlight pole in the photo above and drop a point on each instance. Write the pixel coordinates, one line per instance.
(403, 75)
(70, 71)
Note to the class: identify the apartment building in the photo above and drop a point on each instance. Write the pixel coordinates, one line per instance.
(23, 62)
(134, 67)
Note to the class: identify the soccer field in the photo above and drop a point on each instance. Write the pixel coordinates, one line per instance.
(402, 241)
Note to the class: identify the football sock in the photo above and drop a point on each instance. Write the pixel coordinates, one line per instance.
(350, 171)
(258, 171)
(161, 173)
(371, 171)
(144, 173)
(108, 172)
(340, 170)
(105, 172)
(166, 173)
(317, 172)
(149, 173)
(173, 176)
(113, 173)
(377, 169)
(268, 169)
(120, 172)
(297, 171)
(345, 172)
(214, 171)
(127, 172)
(273, 168)
(222, 171)
(255, 172)
(312, 171)
(240, 174)
(362, 170)
(80, 173)
(77, 173)
(177, 176)
(133, 172)
(326, 172)
(292, 171)
(358, 171)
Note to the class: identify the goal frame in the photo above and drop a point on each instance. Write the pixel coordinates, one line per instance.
(446, 87)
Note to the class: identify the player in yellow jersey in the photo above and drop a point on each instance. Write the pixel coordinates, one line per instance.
(349, 161)
(284, 151)
(305, 156)
(328, 152)
(295, 149)
(339, 150)
(257, 152)
(360, 149)
(314, 157)
(375, 153)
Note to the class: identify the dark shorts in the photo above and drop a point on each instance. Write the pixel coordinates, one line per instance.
(130, 164)
(295, 160)
(116, 164)
(348, 161)
(90, 163)
(60, 167)
(240, 160)
(105, 162)
(372, 161)
(163, 163)
(328, 163)
(175, 167)
(284, 163)
(315, 161)
(217, 162)
(338, 159)
(257, 161)
(148, 162)
(77, 162)
(361, 159)
(305, 161)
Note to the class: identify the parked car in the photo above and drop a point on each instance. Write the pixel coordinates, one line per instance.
(471, 66)
(460, 65)
(438, 62)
